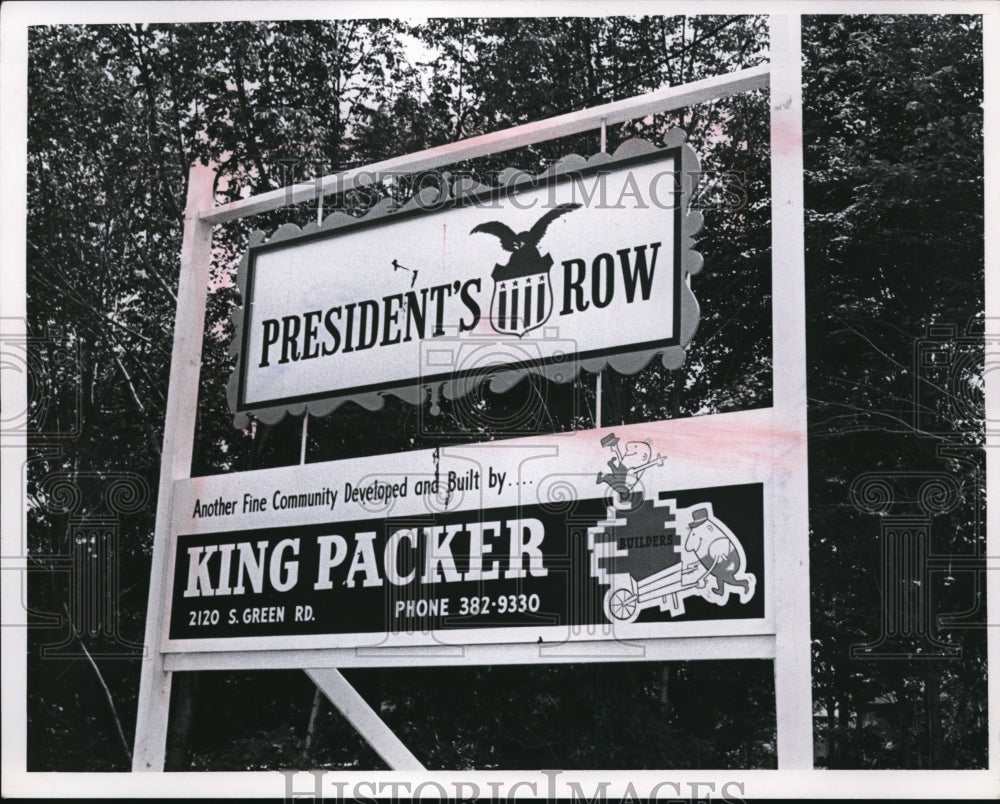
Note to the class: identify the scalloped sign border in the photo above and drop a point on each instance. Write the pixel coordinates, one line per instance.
(625, 358)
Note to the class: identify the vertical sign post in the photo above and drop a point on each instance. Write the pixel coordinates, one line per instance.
(792, 661)
(182, 406)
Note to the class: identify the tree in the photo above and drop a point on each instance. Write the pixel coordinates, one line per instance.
(116, 116)
(894, 232)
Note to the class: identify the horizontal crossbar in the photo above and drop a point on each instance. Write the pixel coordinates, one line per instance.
(551, 128)
(747, 646)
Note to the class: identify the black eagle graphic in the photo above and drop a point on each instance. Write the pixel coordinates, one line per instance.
(523, 246)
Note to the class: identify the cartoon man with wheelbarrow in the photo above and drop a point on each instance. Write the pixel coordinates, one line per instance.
(718, 554)
(644, 563)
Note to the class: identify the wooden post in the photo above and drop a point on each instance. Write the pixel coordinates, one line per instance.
(789, 485)
(178, 438)
(365, 719)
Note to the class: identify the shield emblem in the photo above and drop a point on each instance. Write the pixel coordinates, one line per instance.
(522, 302)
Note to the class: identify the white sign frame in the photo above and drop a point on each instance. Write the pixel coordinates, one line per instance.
(789, 646)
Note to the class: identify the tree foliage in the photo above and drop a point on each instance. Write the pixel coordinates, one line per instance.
(894, 238)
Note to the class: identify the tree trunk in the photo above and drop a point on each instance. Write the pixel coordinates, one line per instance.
(842, 734)
(904, 739)
(317, 702)
(677, 391)
(932, 689)
(831, 734)
(178, 755)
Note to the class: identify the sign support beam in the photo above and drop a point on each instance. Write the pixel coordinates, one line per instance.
(793, 657)
(365, 719)
(178, 443)
(675, 649)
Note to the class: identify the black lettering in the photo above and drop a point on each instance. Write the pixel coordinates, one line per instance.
(332, 329)
(609, 280)
(439, 293)
(644, 275)
(472, 304)
(350, 328)
(290, 338)
(570, 285)
(271, 332)
(367, 329)
(391, 317)
(415, 313)
(311, 330)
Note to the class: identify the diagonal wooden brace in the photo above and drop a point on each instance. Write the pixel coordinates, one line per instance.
(365, 719)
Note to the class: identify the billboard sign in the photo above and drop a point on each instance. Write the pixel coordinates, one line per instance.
(515, 542)
(582, 266)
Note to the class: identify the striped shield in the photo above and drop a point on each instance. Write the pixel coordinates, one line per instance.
(520, 304)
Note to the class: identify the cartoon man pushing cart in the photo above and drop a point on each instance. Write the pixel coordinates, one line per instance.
(645, 563)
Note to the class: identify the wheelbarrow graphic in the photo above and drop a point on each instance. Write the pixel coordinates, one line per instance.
(660, 555)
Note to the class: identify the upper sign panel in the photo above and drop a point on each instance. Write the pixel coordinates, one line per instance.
(580, 267)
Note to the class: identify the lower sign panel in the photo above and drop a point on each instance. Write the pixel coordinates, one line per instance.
(623, 560)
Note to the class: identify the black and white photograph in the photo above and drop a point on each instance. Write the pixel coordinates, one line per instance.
(488, 401)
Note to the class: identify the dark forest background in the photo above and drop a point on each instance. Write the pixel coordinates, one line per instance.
(894, 240)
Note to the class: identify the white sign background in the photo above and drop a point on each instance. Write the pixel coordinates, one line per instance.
(626, 207)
